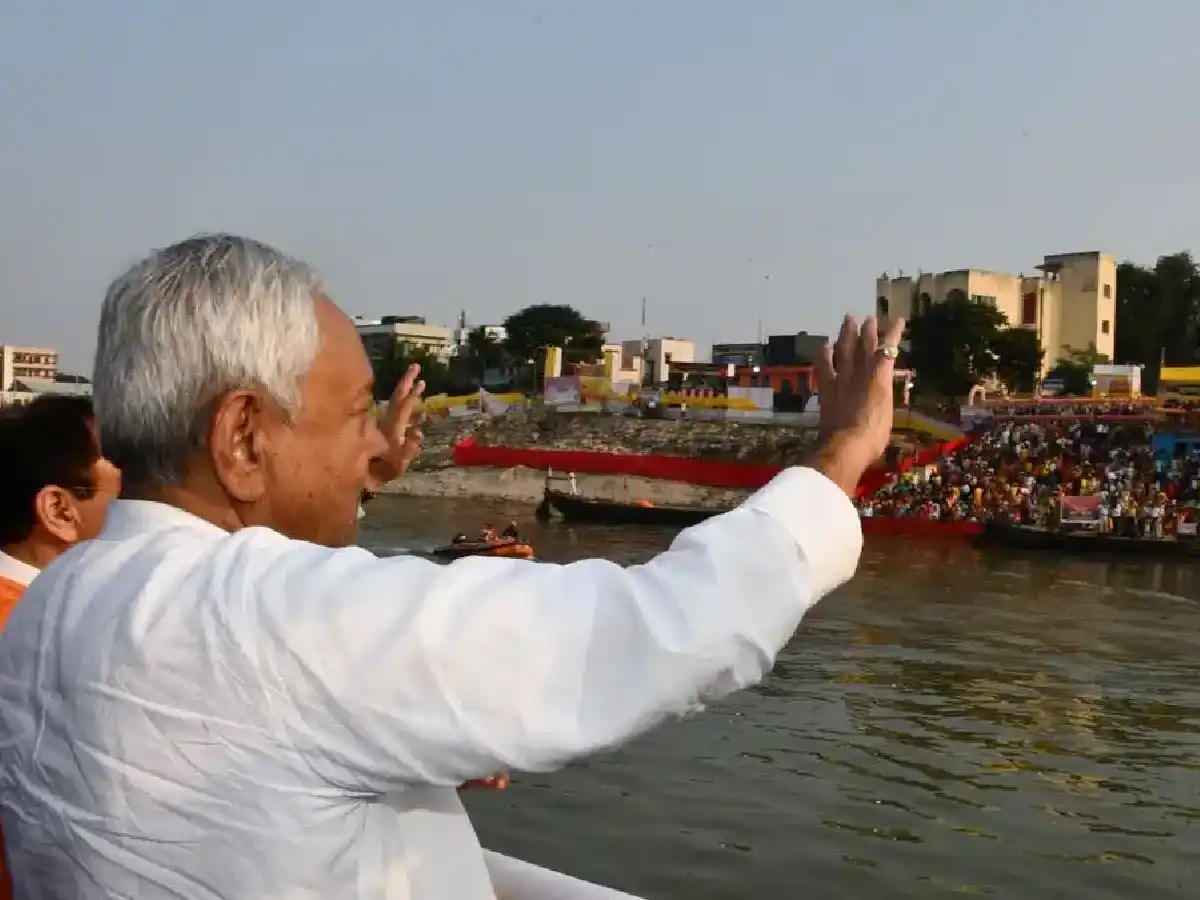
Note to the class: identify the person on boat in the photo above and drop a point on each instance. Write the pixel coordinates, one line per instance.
(222, 698)
(54, 493)
(487, 534)
(510, 532)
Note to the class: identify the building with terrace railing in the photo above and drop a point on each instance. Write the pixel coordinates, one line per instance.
(26, 362)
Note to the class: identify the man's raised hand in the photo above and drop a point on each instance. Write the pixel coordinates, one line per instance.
(400, 428)
(854, 389)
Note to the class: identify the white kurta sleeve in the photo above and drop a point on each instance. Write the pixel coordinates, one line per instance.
(399, 670)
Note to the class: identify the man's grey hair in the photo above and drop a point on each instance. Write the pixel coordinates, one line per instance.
(206, 316)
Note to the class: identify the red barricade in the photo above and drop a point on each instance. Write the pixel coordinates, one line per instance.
(920, 527)
(707, 472)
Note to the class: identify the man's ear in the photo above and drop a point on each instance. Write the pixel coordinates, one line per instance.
(57, 514)
(236, 444)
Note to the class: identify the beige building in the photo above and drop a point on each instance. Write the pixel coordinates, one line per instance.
(623, 362)
(39, 363)
(381, 336)
(654, 365)
(1070, 302)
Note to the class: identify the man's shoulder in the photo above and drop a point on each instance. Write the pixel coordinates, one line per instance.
(180, 559)
(176, 583)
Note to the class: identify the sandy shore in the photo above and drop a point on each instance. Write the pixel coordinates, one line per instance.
(525, 486)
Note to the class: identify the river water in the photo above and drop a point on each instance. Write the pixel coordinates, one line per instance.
(952, 722)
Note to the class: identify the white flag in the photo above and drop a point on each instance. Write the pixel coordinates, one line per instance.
(490, 404)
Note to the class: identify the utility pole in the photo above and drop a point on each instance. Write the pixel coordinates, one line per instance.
(645, 341)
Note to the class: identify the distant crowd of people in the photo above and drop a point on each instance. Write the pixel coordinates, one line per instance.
(1028, 473)
(1081, 409)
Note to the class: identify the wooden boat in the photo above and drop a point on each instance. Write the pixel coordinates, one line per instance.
(513, 549)
(1028, 537)
(583, 509)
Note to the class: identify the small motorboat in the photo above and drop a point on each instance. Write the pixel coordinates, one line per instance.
(511, 549)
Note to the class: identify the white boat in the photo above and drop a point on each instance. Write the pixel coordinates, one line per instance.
(514, 879)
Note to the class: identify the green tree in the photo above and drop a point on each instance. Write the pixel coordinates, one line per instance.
(1158, 315)
(951, 344)
(482, 352)
(550, 325)
(1018, 355)
(1075, 367)
(483, 346)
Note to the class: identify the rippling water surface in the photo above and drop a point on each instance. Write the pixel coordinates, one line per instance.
(952, 722)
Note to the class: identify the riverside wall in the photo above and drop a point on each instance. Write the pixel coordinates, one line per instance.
(732, 441)
(435, 475)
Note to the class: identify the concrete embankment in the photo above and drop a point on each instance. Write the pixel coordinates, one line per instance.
(726, 440)
(525, 486)
(434, 473)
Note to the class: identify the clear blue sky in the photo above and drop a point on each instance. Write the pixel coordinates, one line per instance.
(727, 159)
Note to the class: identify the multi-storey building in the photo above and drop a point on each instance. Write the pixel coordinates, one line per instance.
(38, 363)
(1070, 302)
(380, 337)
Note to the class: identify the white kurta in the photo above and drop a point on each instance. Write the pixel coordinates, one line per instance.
(188, 713)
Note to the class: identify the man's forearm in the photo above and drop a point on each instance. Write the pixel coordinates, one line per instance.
(840, 459)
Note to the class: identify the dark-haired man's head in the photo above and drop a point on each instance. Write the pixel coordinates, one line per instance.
(55, 486)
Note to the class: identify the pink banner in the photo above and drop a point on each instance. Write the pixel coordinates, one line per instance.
(1080, 509)
(564, 389)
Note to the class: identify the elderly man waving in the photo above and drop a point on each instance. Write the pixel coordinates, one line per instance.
(220, 698)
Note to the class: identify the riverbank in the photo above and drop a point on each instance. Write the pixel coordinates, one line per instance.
(744, 442)
(523, 485)
(434, 473)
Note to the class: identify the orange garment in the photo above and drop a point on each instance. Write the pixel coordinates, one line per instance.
(10, 593)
